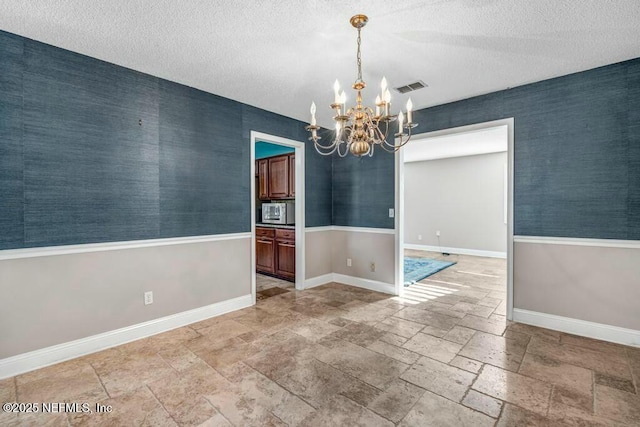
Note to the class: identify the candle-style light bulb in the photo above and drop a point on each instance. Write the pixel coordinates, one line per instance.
(400, 122)
(313, 113)
(387, 96)
(336, 92)
(378, 105)
(409, 111)
(340, 100)
(387, 101)
(383, 85)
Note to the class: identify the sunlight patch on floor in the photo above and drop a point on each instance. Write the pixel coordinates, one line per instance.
(477, 274)
(421, 292)
(460, 285)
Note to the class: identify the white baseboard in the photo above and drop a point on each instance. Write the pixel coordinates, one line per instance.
(459, 251)
(59, 353)
(318, 280)
(583, 328)
(372, 285)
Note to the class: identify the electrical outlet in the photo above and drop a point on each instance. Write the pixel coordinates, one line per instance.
(148, 298)
(372, 267)
(438, 233)
(392, 213)
(419, 236)
(348, 262)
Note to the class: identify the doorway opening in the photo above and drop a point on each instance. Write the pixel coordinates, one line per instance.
(277, 214)
(482, 256)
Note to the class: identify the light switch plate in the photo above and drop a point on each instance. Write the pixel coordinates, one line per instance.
(392, 212)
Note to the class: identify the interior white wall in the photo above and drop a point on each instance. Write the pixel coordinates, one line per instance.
(461, 197)
(400, 202)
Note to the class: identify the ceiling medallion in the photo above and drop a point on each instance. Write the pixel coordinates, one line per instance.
(360, 129)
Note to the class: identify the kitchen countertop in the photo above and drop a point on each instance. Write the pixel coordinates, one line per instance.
(288, 227)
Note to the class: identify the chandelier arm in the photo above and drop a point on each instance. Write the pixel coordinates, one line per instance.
(346, 151)
(381, 136)
(325, 147)
(388, 150)
(384, 134)
(326, 153)
(395, 146)
(377, 135)
(392, 148)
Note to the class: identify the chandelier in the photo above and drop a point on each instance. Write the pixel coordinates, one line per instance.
(360, 129)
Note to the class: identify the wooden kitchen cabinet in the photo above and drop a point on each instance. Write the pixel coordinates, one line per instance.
(276, 252)
(265, 250)
(286, 254)
(276, 177)
(279, 177)
(263, 179)
(292, 175)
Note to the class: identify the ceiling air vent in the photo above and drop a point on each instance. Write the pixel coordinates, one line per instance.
(411, 87)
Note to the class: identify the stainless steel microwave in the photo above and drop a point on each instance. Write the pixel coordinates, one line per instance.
(279, 213)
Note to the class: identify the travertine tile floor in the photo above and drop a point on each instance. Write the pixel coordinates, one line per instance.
(267, 286)
(343, 356)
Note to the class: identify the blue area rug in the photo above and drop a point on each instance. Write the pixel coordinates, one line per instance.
(416, 269)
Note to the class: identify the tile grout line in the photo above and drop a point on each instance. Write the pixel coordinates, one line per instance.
(100, 379)
(15, 387)
(371, 410)
(159, 403)
(553, 389)
(217, 410)
(416, 402)
(504, 405)
(502, 402)
(593, 388)
(634, 378)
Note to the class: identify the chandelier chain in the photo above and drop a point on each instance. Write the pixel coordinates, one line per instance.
(359, 59)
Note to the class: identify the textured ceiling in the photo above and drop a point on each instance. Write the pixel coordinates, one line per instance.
(281, 55)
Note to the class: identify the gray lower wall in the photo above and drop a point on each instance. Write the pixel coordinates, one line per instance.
(318, 253)
(364, 248)
(462, 197)
(596, 284)
(55, 299)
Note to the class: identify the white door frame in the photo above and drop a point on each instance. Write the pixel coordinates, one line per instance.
(399, 203)
(299, 214)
